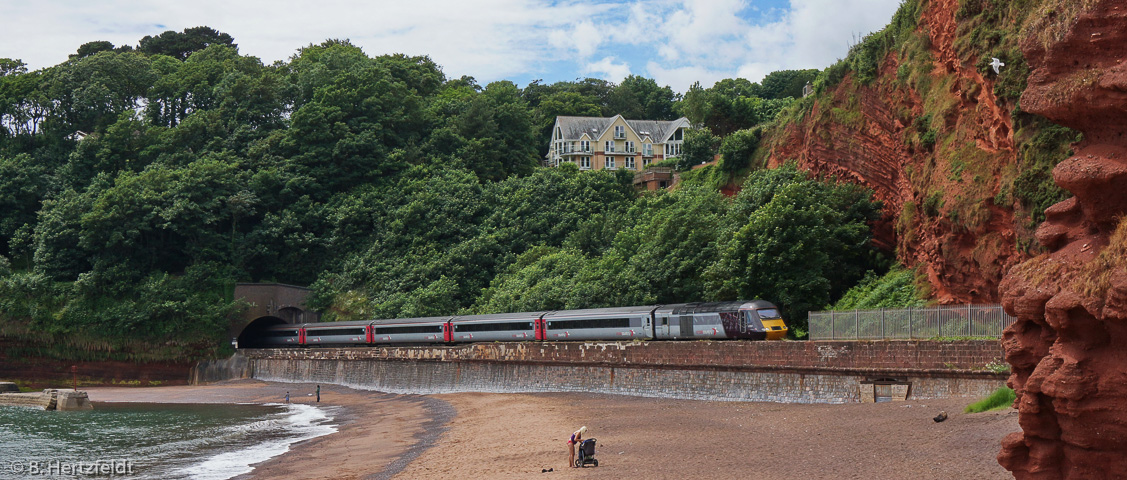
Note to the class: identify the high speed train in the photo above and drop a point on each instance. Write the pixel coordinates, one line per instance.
(751, 320)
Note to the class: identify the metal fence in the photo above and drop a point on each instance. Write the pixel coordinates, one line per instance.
(922, 322)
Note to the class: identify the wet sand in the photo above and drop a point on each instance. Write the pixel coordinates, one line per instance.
(520, 435)
(375, 430)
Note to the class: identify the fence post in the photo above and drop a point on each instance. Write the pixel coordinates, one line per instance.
(833, 331)
(856, 325)
(909, 323)
(882, 335)
(970, 323)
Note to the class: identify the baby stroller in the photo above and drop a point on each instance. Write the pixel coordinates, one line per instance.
(587, 454)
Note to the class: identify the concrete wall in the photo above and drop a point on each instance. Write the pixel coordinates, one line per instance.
(797, 372)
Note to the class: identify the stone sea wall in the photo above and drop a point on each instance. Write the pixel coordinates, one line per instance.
(791, 372)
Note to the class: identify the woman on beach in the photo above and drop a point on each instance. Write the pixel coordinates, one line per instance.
(576, 437)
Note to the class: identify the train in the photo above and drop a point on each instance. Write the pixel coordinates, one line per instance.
(747, 320)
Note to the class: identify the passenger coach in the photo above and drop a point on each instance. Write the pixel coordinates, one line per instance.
(751, 320)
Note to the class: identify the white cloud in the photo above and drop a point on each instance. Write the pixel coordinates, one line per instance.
(611, 71)
(582, 38)
(679, 41)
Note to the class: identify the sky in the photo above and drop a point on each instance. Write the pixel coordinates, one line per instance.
(675, 42)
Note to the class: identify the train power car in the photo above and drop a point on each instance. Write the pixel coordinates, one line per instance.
(750, 320)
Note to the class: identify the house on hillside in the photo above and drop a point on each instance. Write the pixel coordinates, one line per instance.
(596, 143)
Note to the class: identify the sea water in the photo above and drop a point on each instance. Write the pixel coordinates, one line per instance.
(153, 441)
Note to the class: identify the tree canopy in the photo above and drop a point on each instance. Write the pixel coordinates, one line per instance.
(138, 185)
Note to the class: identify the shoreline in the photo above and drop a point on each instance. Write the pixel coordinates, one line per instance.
(517, 436)
(376, 432)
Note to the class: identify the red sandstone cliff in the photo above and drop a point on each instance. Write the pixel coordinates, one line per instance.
(939, 200)
(1066, 350)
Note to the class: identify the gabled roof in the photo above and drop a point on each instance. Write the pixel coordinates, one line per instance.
(659, 131)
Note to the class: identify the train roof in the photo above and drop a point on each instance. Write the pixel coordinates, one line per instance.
(709, 307)
(590, 312)
(385, 321)
(500, 316)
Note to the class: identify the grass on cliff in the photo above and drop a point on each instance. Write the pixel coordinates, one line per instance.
(1001, 399)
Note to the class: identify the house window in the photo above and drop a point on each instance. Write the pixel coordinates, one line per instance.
(609, 146)
(645, 162)
(585, 163)
(585, 146)
(610, 163)
(619, 131)
(672, 149)
(629, 147)
(679, 134)
(647, 149)
(630, 163)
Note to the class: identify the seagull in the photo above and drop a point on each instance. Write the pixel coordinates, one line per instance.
(994, 62)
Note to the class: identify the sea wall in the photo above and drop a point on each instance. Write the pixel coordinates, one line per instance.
(791, 372)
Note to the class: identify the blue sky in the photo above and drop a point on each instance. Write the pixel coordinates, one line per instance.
(675, 42)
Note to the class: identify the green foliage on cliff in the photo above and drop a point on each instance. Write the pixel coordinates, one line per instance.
(896, 289)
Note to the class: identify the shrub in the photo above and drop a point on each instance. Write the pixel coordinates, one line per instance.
(895, 289)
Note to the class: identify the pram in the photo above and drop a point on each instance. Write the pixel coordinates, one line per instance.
(587, 454)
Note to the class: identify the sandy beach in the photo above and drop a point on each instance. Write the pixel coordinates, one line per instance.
(521, 435)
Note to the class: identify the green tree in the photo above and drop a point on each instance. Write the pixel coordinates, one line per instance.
(804, 247)
(90, 93)
(90, 48)
(698, 148)
(23, 185)
(640, 98)
(736, 150)
(786, 83)
(180, 45)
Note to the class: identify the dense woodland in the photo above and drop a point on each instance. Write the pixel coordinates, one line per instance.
(139, 184)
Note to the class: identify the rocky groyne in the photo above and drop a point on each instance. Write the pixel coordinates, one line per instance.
(49, 399)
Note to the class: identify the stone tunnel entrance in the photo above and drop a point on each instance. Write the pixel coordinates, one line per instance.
(255, 329)
(270, 304)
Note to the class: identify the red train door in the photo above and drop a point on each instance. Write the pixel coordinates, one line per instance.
(448, 332)
(369, 334)
(541, 329)
(301, 336)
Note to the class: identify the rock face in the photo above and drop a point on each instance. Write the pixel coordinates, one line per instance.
(965, 242)
(1067, 350)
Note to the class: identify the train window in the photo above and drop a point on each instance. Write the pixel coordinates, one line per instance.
(335, 331)
(593, 323)
(414, 329)
(709, 319)
(492, 327)
(281, 333)
(768, 313)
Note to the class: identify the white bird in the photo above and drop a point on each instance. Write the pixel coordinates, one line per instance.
(994, 62)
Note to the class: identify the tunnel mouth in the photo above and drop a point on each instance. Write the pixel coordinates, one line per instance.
(251, 335)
